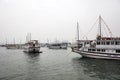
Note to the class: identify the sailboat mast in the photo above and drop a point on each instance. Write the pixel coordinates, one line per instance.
(30, 36)
(78, 31)
(6, 42)
(78, 34)
(100, 24)
(14, 41)
(27, 38)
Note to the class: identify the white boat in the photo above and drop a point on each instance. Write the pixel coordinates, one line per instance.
(32, 47)
(101, 47)
(58, 46)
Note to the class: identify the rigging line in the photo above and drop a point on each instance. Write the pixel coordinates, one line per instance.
(107, 28)
(90, 29)
(105, 31)
(80, 31)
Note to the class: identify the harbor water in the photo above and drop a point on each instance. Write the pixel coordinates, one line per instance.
(55, 65)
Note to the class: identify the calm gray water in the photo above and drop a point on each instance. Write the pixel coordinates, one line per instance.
(55, 65)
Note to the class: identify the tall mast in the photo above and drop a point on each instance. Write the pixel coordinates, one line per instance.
(30, 36)
(14, 41)
(6, 41)
(78, 34)
(78, 31)
(27, 38)
(100, 24)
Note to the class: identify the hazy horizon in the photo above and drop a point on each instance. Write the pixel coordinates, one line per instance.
(55, 19)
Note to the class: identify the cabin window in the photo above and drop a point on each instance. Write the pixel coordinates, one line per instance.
(103, 50)
(84, 43)
(107, 43)
(104, 43)
(98, 43)
(87, 42)
(89, 49)
(117, 51)
(93, 50)
(112, 43)
(98, 49)
(117, 43)
(101, 43)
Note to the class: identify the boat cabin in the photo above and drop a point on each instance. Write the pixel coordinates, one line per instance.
(105, 45)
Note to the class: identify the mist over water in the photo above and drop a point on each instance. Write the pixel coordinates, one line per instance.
(55, 19)
(50, 21)
(55, 65)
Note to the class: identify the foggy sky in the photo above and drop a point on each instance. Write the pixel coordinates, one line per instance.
(55, 19)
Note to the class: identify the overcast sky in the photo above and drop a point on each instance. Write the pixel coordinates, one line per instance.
(55, 19)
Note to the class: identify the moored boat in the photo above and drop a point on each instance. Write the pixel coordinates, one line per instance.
(58, 46)
(32, 47)
(14, 46)
(101, 47)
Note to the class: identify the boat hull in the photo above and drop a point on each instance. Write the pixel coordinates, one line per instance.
(115, 56)
(32, 50)
(57, 47)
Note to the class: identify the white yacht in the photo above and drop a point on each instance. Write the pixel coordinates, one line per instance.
(101, 47)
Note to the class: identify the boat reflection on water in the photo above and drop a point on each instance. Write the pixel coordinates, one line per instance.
(97, 69)
(32, 55)
(32, 68)
(32, 58)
